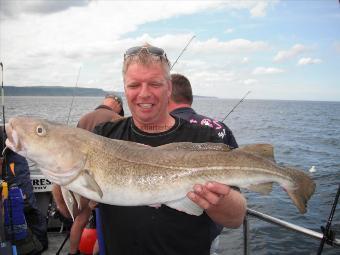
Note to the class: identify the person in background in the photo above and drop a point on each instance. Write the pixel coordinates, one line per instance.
(180, 105)
(110, 109)
(149, 230)
(15, 172)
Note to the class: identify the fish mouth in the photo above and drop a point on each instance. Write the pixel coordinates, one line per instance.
(12, 141)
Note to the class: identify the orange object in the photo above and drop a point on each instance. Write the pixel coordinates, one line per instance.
(11, 166)
(4, 190)
(87, 240)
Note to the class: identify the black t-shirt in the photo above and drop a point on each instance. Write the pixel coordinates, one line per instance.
(221, 129)
(148, 230)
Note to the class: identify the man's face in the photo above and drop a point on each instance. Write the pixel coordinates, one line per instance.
(147, 92)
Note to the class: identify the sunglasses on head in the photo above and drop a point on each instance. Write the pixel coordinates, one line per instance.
(155, 51)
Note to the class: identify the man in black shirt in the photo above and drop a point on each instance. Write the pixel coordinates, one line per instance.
(149, 230)
(180, 105)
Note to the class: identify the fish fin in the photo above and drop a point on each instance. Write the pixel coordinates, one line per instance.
(263, 188)
(69, 200)
(194, 146)
(303, 190)
(77, 198)
(262, 150)
(90, 183)
(185, 205)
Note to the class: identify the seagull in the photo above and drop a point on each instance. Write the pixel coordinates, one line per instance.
(312, 169)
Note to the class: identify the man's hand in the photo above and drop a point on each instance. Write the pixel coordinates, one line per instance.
(209, 195)
(223, 204)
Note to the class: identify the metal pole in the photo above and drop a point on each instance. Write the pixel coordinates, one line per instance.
(246, 250)
(327, 230)
(287, 225)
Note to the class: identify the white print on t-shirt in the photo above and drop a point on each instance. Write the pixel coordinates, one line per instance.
(222, 134)
(207, 122)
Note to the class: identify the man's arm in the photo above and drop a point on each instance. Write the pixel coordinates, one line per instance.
(223, 204)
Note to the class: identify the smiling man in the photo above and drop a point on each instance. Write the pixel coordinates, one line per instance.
(162, 230)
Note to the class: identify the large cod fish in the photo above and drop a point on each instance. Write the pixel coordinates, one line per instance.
(131, 174)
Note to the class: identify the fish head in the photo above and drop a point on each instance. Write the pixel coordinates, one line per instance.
(51, 146)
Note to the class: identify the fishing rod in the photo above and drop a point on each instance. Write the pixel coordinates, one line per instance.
(3, 105)
(3, 135)
(186, 46)
(328, 233)
(73, 96)
(2, 230)
(242, 99)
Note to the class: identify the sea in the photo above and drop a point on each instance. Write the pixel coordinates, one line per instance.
(304, 134)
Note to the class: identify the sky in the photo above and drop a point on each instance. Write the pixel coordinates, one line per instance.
(280, 49)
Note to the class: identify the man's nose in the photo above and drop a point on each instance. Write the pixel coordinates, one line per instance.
(145, 91)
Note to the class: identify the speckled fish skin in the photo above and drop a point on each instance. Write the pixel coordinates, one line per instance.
(128, 174)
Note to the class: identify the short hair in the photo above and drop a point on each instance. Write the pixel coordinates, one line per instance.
(114, 96)
(181, 89)
(146, 59)
(118, 98)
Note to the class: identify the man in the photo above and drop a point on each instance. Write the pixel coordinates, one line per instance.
(110, 109)
(180, 105)
(150, 230)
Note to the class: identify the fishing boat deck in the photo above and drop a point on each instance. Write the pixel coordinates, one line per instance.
(55, 239)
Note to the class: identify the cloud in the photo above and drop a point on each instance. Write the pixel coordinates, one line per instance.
(291, 53)
(256, 8)
(259, 10)
(309, 61)
(39, 49)
(232, 46)
(206, 79)
(249, 81)
(13, 9)
(267, 70)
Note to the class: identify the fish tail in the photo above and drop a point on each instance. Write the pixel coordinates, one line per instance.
(303, 190)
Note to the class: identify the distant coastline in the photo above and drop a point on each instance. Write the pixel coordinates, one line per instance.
(53, 91)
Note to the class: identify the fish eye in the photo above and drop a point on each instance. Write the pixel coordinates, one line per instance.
(40, 130)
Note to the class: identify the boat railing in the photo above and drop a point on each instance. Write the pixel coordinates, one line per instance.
(290, 226)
